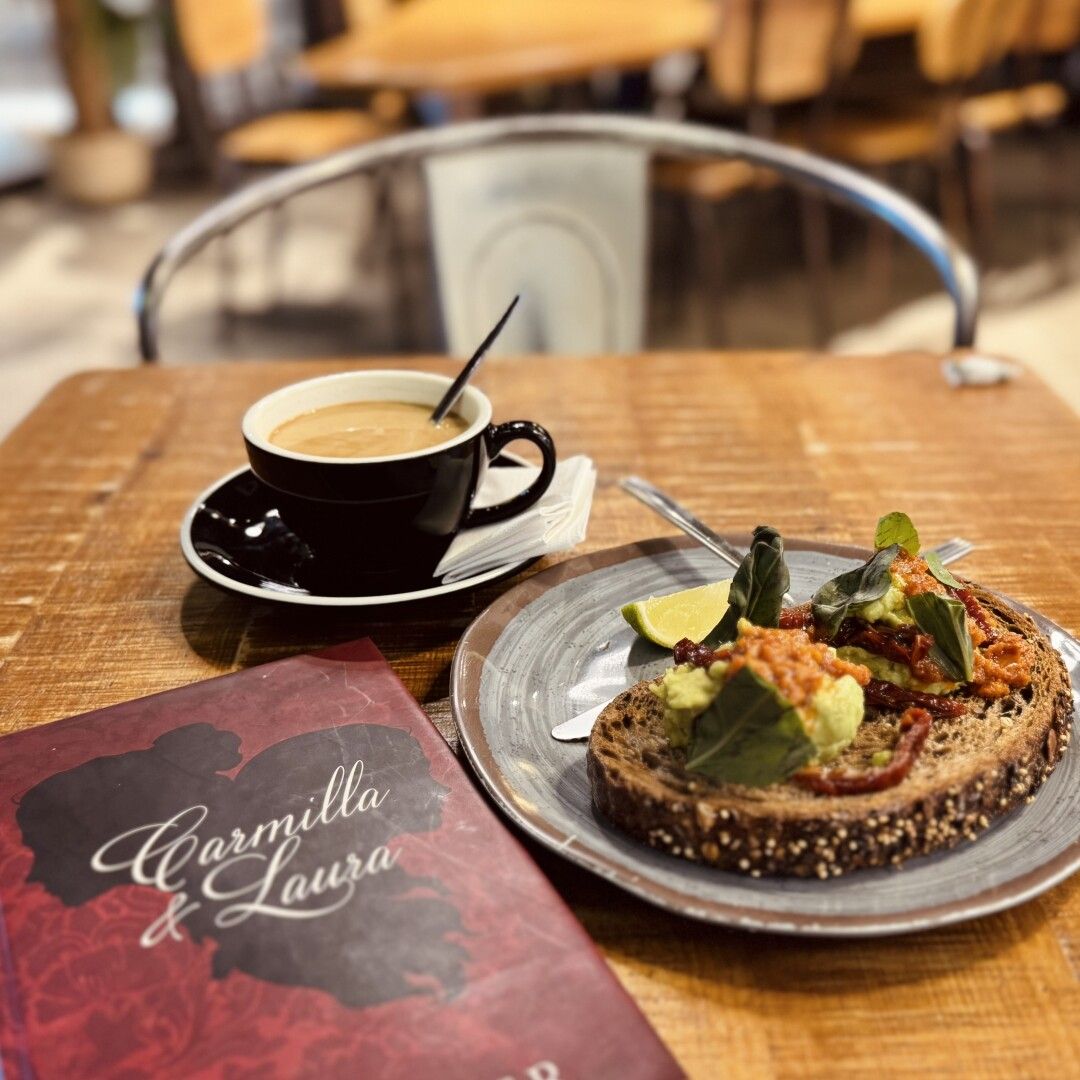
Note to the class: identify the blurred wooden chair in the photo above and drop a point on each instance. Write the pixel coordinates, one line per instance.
(225, 45)
(1036, 30)
(768, 56)
(956, 42)
(243, 117)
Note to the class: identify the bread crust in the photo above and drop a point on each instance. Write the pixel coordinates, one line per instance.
(974, 768)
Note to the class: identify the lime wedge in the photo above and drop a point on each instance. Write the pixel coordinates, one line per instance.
(692, 613)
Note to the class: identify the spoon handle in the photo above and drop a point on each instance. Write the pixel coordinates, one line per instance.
(449, 399)
(681, 518)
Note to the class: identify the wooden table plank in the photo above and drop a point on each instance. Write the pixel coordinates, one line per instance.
(97, 606)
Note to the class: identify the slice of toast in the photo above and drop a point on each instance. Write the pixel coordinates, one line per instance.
(973, 768)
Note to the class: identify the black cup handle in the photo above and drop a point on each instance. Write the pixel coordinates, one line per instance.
(496, 439)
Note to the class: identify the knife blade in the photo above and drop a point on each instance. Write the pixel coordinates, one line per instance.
(578, 727)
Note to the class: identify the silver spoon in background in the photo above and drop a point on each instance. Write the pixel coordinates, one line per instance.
(449, 399)
(579, 727)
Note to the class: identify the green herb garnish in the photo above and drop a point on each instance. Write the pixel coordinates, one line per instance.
(937, 568)
(862, 585)
(758, 587)
(944, 619)
(896, 528)
(751, 734)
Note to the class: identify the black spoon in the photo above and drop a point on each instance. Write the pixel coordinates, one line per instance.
(449, 399)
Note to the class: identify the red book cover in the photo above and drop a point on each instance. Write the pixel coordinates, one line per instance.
(285, 873)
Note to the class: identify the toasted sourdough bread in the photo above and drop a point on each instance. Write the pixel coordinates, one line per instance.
(973, 769)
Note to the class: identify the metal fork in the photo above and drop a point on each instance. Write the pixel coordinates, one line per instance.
(954, 548)
(663, 504)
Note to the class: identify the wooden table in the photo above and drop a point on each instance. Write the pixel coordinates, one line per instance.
(487, 46)
(97, 606)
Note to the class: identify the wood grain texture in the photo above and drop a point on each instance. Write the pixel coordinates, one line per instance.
(97, 606)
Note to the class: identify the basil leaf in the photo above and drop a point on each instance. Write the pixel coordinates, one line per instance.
(896, 528)
(859, 586)
(750, 734)
(937, 568)
(944, 619)
(758, 587)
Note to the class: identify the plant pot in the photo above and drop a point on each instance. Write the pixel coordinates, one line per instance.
(102, 167)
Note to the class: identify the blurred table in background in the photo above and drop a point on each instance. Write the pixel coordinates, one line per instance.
(493, 46)
(98, 606)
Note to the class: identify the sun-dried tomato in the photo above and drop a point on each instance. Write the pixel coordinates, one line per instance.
(887, 695)
(914, 728)
(977, 614)
(690, 652)
(800, 617)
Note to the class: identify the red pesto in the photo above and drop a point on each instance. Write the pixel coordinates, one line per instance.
(787, 659)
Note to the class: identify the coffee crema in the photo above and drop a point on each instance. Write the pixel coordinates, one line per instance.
(357, 429)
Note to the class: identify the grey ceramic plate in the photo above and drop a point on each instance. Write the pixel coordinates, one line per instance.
(555, 645)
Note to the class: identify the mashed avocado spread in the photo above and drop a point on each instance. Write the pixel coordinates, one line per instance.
(830, 719)
(890, 609)
(836, 711)
(892, 671)
(687, 691)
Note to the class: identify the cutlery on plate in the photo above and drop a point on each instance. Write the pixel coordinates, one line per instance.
(578, 727)
(663, 504)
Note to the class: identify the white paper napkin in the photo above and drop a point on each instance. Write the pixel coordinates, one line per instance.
(556, 523)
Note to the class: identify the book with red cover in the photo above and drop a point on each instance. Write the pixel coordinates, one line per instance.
(285, 873)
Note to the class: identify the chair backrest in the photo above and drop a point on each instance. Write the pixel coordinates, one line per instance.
(562, 223)
(220, 36)
(959, 39)
(771, 52)
(842, 185)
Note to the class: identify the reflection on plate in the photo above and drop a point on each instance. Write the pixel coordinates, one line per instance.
(234, 536)
(556, 645)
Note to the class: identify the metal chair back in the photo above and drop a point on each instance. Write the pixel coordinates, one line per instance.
(563, 224)
(656, 137)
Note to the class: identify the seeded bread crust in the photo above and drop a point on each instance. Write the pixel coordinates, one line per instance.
(973, 769)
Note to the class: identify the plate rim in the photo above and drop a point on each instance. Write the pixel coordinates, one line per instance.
(215, 577)
(476, 644)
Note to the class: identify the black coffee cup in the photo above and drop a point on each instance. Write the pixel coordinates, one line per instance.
(385, 522)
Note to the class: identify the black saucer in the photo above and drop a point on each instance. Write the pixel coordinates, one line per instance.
(234, 536)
